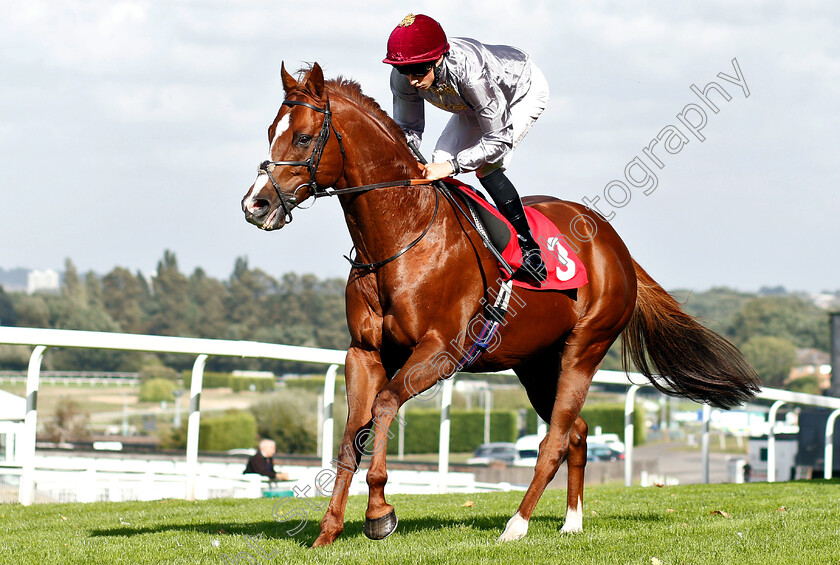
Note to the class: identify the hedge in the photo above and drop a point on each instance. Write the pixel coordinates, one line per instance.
(210, 379)
(231, 430)
(312, 384)
(422, 430)
(226, 380)
(610, 416)
(261, 384)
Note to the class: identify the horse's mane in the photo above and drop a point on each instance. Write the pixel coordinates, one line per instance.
(352, 90)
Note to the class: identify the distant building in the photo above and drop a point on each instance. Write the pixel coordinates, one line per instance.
(787, 446)
(812, 363)
(42, 281)
(12, 414)
(826, 301)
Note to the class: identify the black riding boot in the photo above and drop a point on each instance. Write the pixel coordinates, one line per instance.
(507, 200)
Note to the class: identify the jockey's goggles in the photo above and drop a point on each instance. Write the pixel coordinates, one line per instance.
(415, 69)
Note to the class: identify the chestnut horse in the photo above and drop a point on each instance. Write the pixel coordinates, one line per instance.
(422, 276)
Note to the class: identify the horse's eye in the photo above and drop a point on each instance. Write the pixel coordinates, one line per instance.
(303, 140)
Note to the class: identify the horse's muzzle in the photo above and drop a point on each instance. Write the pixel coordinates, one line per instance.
(263, 214)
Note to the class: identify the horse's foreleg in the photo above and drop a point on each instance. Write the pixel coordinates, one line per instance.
(365, 376)
(421, 372)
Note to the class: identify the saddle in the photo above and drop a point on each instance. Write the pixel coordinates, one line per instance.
(565, 269)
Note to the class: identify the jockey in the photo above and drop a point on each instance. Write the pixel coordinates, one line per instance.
(495, 92)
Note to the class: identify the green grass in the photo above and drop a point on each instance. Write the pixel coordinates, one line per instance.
(766, 524)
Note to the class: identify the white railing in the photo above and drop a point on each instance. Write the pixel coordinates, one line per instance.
(780, 397)
(203, 348)
(42, 339)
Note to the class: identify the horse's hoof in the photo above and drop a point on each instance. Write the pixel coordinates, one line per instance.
(515, 530)
(381, 528)
(322, 542)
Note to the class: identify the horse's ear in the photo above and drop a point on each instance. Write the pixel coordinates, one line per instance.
(315, 80)
(289, 82)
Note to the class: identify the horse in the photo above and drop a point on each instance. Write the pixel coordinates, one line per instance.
(422, 274)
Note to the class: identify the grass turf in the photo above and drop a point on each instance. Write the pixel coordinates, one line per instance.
(783, 523)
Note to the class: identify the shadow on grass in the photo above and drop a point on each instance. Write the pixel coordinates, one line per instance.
(304, 533)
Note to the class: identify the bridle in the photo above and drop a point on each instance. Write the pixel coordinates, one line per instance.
(289, 201)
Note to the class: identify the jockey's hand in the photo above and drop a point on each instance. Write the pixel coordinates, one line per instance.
(437, 171)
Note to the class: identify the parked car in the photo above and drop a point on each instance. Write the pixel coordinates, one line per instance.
(610, 440)
(600, 452)
(527, 448)
(498, 451)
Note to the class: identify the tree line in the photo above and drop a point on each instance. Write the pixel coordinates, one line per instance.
(769, 326)
(250, 305)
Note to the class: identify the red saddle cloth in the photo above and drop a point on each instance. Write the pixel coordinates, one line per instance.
(565, 269)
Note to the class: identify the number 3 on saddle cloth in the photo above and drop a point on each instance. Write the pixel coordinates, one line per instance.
(565, 269)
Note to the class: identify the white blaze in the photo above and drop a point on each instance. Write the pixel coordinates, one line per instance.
(282, 126)
(262, 178)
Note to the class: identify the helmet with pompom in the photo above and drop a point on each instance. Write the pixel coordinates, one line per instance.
(417, 39)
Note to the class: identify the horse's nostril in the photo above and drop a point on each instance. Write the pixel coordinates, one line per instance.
(259, 206)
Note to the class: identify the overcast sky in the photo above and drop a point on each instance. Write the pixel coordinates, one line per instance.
(128, 128)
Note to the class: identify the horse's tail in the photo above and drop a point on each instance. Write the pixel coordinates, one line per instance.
(681, 357)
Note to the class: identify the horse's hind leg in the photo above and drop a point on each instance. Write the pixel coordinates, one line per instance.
(579, 362)
(574, 488)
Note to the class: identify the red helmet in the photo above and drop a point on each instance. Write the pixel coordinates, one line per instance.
(418, 39)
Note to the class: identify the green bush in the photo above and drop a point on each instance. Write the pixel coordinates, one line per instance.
(14, 357)
(157, 390)
(808, 385)
(232, 430)
(290, 420)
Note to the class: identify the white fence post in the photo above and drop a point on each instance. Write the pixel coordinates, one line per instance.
(707, 415)
(26, 492)
(829, 444)
(401, 436)
(193, 424)
(629, 433)
(41, 339)
(488, 407)
(443, 460)
(771, 441)
(329, 424)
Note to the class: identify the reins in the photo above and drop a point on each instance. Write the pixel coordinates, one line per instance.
(365, 187)
(289, 201)
(375, 265)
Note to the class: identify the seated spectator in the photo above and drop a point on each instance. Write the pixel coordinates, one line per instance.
(261, 463)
